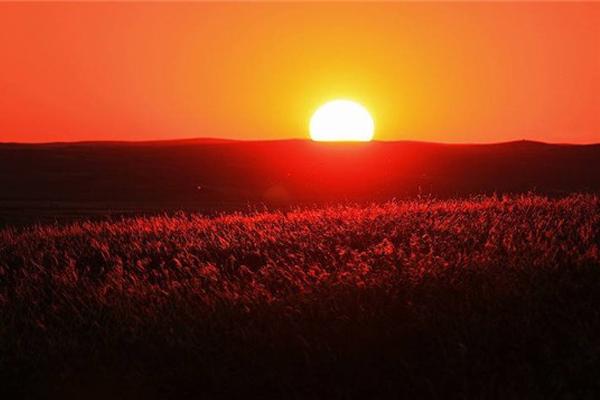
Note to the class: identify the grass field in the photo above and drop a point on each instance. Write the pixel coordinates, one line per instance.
(481, 298)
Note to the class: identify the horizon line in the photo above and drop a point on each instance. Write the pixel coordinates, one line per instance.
(220, 140)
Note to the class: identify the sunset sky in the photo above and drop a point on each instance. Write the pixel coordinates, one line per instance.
(450, 72)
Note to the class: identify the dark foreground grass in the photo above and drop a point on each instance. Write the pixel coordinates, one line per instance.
(481, 298)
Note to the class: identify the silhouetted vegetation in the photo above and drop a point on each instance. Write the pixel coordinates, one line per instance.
(485, 298)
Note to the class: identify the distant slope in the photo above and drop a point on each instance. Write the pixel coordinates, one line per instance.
(107, 143)
(213, 172)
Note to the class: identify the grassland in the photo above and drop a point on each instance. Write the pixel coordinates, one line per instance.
(481, 298)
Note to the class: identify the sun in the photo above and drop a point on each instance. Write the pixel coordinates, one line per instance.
(342, 121)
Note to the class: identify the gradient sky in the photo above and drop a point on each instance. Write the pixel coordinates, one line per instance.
(451, 72)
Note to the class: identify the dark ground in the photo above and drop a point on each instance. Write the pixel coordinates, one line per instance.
(467, 298)
(43, 183)
(489, 298)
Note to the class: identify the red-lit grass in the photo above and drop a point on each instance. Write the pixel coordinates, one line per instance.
(477, 298)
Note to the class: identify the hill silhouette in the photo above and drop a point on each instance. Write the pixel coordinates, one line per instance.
(63, 179)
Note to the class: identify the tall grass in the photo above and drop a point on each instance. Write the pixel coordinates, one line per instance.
(482, 298)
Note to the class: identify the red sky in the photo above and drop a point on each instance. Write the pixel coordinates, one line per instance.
(451, 72)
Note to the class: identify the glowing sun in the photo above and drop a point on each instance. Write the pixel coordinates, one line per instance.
(343, 121)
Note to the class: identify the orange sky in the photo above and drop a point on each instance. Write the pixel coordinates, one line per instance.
(452, 72)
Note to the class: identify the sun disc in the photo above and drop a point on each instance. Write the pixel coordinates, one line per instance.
(342, 120)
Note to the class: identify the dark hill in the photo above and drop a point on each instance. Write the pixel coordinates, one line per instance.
(214, 174)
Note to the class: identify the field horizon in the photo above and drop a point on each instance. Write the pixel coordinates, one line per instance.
(224, 140)
(397, 199)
